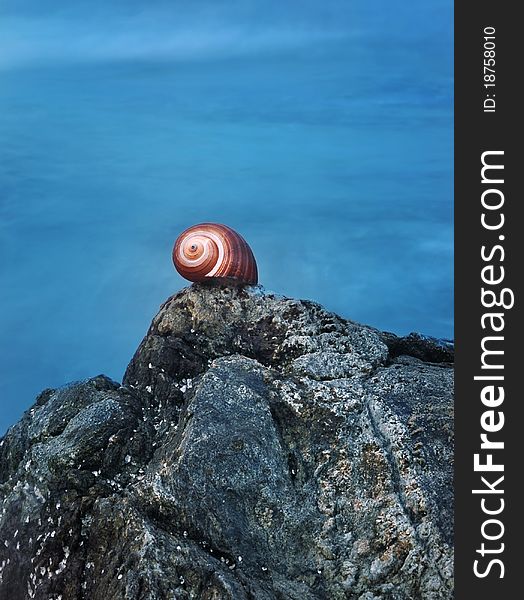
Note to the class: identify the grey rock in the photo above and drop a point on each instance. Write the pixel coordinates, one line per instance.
(424, 347)
(259, 448)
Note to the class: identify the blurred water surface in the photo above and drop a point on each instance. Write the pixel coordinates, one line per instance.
(322, 132)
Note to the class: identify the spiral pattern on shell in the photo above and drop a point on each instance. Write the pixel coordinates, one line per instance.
(213, 250)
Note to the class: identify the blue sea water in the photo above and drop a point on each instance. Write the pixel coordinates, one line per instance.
(321, 131)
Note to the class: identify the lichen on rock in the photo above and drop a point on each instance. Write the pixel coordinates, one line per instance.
(259, 448)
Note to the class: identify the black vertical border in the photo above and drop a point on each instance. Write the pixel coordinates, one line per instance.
(475, 132)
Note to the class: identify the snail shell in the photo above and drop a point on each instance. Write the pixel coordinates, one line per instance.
(214, 250)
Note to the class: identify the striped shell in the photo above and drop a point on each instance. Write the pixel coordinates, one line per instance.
(214, 250)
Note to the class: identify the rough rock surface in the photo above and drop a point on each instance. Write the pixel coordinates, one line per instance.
(258, 448)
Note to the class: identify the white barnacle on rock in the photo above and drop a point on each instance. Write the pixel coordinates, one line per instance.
(39, 494)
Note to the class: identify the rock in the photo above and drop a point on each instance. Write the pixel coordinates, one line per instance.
(425, 347)
(259, 448)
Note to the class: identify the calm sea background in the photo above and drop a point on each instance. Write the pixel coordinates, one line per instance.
(321, 131)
